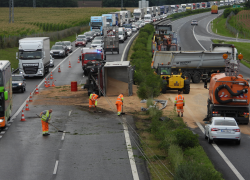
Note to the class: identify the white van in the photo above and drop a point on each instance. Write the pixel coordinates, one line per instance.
(121, 32)
(148, 18)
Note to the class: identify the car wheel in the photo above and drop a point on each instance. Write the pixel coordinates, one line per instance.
(205, 135)
(238, 142)
(208, 139)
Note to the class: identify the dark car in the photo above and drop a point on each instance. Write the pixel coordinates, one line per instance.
(89, 36)
(57, 51)
(80, 42)
(64, 46)
(18, 82)
(97, 32)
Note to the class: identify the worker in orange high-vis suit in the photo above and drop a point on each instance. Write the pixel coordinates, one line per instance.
(119, 103)
(179, 103)
(93, 101)
(46, 116)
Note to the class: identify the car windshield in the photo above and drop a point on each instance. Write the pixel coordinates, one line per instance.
(96, 42)
(79, 40)
(94, 56)
(98, 38)
(67, 43)
(225, 122)
(96, 30)
(87, 34)
(127, 25)
(120, 33)
(56, 48)
(17, 78)
(194, 21)
(165, 71)
(81, 36)
(30, 54)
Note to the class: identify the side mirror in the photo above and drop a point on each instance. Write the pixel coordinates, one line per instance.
(6, 96)
(24, 79)
(16, 55)
(44, 54)
(207, 122)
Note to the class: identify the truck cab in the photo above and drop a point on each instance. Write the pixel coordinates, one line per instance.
(91, 55)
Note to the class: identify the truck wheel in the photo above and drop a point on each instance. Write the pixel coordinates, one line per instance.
(118, 52)
(164, 89)
(196, 78)
(186, 74)
(186, 88)
(238, 142)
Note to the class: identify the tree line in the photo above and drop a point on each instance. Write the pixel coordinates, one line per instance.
(106, 3)
(40, 3)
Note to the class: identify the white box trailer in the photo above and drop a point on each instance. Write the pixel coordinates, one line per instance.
(34, 56)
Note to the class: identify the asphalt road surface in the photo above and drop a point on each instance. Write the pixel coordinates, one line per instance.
(95, 148)
(199, 38)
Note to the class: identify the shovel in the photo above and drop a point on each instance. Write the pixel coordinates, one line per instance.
(123, 113)
(55, 127)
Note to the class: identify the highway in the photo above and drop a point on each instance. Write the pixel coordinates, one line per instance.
(95, 148)
(237, 157)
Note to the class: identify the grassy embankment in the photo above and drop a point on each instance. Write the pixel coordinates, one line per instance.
(169, 145)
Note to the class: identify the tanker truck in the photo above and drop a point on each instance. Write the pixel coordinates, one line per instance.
(229, 93)
(195, 65)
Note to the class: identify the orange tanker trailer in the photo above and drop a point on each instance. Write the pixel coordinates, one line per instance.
(229, 94)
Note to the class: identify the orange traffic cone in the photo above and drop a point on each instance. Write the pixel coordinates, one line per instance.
(53, 84)
(69, 65)
(27, 106)
(59, 69)
(30, 99)
(45, 83)
(37, 92)
(78, 60)
(23, 118)
(51, 76)
(48, 84)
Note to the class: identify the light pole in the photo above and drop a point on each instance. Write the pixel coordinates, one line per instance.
(11, 11)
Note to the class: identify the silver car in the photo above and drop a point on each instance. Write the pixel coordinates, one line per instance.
(97, 43)
(194, 22)
(220, 128)
(69, 45)
(51, 61)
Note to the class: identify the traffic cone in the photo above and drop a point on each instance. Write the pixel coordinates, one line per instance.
(27, 106)
(69, 65)
(78, 60)
(53, 84)
(45, 82)
(59, 69)
(51, 76)
(30, 99)
(22, 118)
(37, 92)
(48, 84)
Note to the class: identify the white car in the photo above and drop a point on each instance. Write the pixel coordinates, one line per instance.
(129, 31)
(222, 128)
(134, 28)
(194, 22)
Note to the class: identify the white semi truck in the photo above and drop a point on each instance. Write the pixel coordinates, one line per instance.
(195, 64)
(34, 56)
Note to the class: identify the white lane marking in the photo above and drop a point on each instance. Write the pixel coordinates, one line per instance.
(63, 136)
(197, 40)
(210, 22)
(55, 168)
(223, 156)
(24, 103)
(124, 51)
(130, 150)
(70, 112)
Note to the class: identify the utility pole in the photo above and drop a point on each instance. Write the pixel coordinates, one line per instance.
(11, 11)
(34, 3)
(121, 4)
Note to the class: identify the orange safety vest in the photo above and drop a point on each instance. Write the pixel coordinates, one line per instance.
(179, 100)
(94, 97)
(119, 99)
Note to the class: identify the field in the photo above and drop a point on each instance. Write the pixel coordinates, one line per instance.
(37, 20)
(243, 18)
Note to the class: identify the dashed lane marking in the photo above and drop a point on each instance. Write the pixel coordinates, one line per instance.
(63, 136)
(55, 168)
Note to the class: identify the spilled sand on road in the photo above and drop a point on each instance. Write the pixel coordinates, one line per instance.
(195, 109)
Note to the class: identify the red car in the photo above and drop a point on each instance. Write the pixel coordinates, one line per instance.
(80, 42)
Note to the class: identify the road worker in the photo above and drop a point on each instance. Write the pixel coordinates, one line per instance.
(179, 103)
(46, 116)
(93, 101)
(119, 103)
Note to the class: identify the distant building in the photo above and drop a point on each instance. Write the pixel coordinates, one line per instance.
(90, 3)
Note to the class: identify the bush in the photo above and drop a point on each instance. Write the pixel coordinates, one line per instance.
(175, 155)
(186, 139)
(192, 170)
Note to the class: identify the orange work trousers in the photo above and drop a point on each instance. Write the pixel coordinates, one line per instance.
(45, 127)
(91, 103)
(119, 108)
(180, 108)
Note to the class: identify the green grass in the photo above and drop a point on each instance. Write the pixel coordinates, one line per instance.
(149, 43)
(220, 24)
(10, 53)
(242, 48)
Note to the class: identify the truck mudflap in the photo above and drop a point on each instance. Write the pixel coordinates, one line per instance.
(240, 113)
